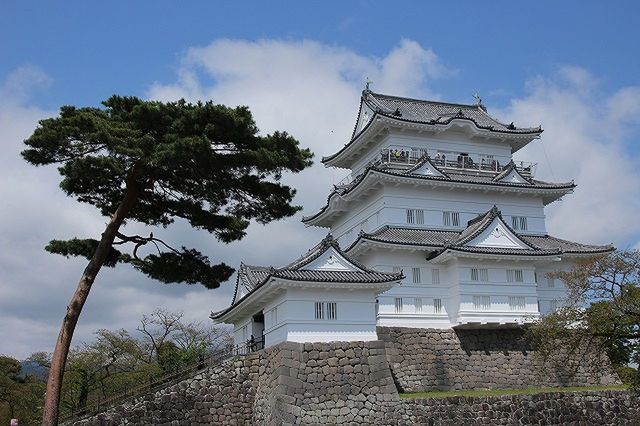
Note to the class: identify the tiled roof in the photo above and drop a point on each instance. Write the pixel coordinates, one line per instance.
(443, 240)
(549, 242)
(448, 177)
(439, 113)
(409, 236)
(254, 277)
(337, 276)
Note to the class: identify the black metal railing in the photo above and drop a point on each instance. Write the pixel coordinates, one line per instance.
(155, 383)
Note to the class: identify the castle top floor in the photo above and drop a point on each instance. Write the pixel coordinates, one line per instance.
(396, 130)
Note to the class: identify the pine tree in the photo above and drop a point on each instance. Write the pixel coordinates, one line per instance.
(153, 162)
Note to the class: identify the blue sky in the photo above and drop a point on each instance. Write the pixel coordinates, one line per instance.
(93, 49)
(571, 66)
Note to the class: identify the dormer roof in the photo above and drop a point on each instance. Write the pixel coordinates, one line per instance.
(324, 263)
(511, 174)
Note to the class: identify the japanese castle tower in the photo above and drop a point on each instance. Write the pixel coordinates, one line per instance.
(435, 227)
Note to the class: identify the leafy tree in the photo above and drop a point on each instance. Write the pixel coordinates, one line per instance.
(117, 360)
(19, 396)
(154, 162)
(601, 314)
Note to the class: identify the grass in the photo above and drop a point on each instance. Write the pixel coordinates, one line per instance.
(498, 392)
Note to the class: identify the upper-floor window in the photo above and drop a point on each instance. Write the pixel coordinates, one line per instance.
(514, 275)
(418, 304)
(319, 310)
(553, 305)
(551, 283)
(517, 303)
(479, 274)
(450, 218)
(435, 276)
(415, 272)
(437, 306)
(519, 223)
(415, 216)
(481, 303)
(398, 304)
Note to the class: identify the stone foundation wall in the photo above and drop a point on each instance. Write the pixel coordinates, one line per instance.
(569, 408)
(325, 383)
(221, 395)
(353, 383)
(428, 359)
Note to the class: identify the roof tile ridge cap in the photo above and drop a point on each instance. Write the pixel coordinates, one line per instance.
(426, 101)
(375, 104)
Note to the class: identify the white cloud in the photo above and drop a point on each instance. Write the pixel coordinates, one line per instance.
(586, 139)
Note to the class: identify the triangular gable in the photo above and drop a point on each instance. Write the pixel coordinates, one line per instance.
(498, 235)
(426, 168)
(364, 117)
(511, 175)
(331, 260)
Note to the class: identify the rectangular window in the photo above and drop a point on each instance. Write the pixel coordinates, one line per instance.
(451, 218)
(319, 310)
(363, 225)
(415, 216)
(479, 274)
(275, 315)
(437, 306)
(411, 216)
(535, 277)
(519, 223)
(514, 275)
(396, 269)
(398, 303)
(553, 305)
(332, 311)
(415, 272)
(551, 283)
(517, 303)
(435, 276)
(418, 304)
(481, 303)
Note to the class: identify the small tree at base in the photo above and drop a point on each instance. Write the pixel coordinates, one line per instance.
(153, 162)
(601, 315)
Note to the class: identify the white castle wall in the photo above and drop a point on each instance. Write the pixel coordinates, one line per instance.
(388, 206)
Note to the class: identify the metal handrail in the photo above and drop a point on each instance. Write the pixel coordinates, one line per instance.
(155, 383)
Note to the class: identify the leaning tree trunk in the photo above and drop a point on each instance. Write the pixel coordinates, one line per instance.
(59, 358)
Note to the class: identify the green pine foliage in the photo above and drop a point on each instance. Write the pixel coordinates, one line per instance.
(203, 163)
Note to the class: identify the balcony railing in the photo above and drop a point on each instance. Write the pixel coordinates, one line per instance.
(465, 163)
(404, 157)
